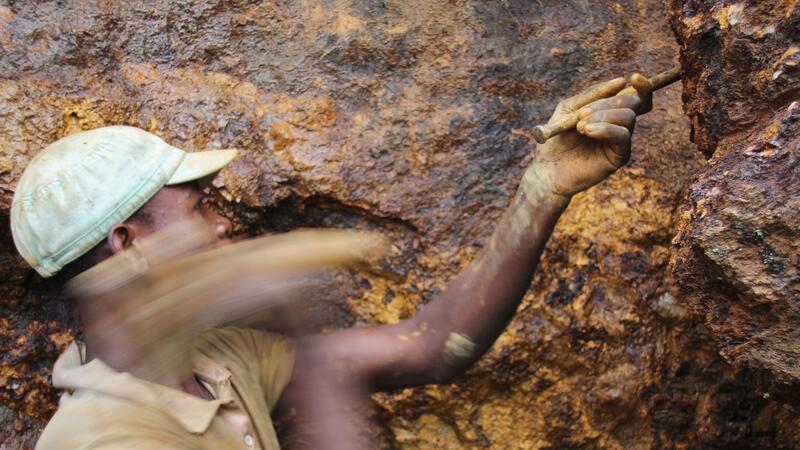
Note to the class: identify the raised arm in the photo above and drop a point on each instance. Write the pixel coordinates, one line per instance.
(453, 330)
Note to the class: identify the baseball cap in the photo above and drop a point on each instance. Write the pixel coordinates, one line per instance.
(77, 188)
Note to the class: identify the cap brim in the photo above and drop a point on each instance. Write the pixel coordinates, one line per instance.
(198, 165)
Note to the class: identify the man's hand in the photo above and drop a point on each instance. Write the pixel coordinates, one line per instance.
(600, 144)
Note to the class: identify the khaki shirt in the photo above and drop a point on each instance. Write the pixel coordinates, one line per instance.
(244, 370)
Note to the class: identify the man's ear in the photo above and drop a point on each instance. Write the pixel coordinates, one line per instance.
(120, 237)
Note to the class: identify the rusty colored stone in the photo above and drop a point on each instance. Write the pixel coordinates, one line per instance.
(412, 118)
(737, 256)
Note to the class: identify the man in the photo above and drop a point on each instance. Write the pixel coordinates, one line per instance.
(94, 194)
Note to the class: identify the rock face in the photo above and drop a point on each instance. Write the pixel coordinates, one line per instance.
(411, 117)
(738, 251)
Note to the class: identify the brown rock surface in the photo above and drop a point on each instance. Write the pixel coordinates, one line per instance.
(738, 251)
(408, 117)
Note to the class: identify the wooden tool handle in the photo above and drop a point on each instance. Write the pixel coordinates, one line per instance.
(544, 132)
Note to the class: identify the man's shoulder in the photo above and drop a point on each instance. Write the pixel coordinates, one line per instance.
(79, 420)
(72, 417)
(258, 357)
(88, 420)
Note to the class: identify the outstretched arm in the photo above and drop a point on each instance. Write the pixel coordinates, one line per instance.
(451, 332)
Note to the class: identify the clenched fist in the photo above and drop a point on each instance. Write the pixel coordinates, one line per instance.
(600, 144)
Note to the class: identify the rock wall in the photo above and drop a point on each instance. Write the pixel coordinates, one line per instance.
(410, 117)
(738, 252)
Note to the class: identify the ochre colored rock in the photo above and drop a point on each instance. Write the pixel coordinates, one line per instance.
(737, 258)
(411, 117)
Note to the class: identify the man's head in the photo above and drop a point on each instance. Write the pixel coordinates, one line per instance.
(93, 194)
(170, 205)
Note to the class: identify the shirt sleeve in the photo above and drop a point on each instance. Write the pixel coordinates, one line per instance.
(268, 356)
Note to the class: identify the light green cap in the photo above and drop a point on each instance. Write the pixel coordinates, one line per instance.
(77, 188)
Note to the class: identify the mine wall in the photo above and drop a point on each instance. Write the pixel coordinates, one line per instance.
(664, 313)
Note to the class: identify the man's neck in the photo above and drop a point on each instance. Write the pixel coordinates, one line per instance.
(121, 353)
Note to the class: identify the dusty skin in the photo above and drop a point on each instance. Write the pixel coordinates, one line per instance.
(414, 118)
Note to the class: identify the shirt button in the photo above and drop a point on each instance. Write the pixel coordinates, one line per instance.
(248, 440)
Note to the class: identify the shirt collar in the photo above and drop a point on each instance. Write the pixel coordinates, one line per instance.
(208, 370)
(193, 413)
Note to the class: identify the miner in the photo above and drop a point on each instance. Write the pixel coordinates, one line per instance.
(94, 194)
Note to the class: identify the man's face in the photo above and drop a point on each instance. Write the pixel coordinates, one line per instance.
(178, 203)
